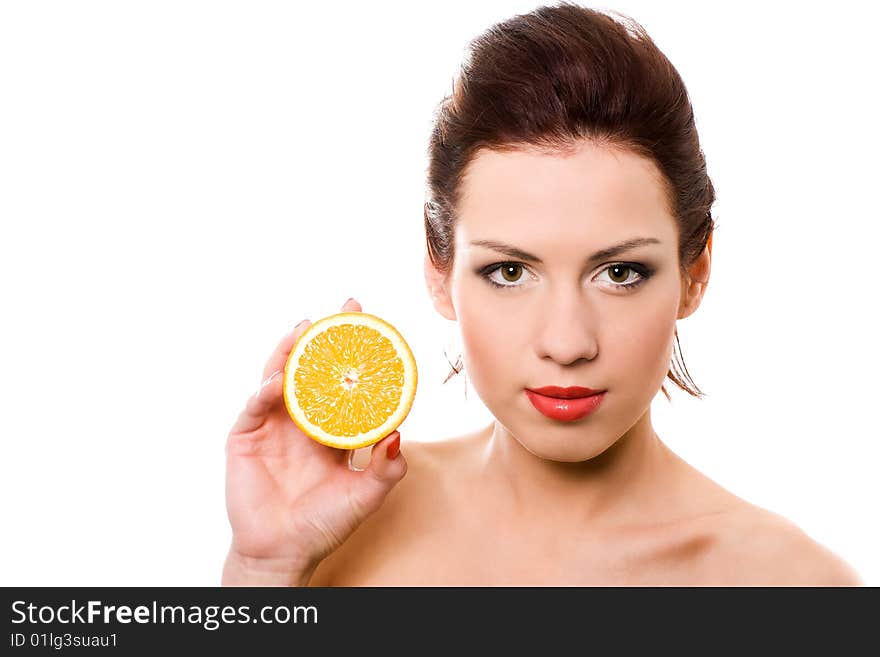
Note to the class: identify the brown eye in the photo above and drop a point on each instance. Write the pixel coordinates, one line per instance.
(618, 273)
(512, 273)
(509, 272)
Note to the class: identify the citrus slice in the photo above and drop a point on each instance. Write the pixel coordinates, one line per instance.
(349, 380)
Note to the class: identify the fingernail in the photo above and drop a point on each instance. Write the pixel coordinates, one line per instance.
(274, 376)
(393, 448)
(349, 299)
(300, 324)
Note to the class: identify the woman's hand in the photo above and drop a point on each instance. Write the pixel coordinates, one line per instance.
(290, 500)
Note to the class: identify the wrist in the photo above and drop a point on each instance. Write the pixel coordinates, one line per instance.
(242, 570)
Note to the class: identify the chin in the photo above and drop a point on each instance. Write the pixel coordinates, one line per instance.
(562, 444)
(571, 453)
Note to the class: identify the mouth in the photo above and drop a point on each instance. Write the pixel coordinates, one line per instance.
(579, 403)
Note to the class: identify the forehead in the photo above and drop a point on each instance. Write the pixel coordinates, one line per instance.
(603, 193)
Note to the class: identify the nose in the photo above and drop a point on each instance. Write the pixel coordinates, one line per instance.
(567, 329)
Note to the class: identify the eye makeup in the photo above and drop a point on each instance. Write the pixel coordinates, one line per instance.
(644, 272)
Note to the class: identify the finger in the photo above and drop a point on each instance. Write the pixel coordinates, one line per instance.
(279, 357)
(387, 467)
(355, 460)
(352, 306)
(259, 404)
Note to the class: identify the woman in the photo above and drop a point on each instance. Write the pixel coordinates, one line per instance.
(568, 226)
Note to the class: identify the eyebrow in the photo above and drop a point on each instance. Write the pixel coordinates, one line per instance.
(601, 254)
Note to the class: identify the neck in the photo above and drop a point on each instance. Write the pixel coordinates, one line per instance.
(633, 478)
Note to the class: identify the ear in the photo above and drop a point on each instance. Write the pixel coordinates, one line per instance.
(438, 288)
(693, 286)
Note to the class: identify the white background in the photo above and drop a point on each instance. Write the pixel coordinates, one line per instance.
(182, 182)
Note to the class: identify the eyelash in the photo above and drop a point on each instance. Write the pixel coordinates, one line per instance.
(643, 271)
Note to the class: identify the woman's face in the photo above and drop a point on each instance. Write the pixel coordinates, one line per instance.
(571, 319)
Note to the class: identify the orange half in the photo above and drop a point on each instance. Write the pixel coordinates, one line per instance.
(350, 380)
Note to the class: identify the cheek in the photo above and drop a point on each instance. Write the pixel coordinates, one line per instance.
(487, 342)
(490, 344)
(642, 341)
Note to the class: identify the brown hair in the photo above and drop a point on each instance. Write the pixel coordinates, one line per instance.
(555, 76)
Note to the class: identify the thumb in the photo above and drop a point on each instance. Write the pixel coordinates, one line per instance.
(387, 467)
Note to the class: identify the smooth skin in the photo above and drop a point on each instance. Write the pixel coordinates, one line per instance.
(525, 500)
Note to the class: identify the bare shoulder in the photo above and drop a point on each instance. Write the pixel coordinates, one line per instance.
(757, 547)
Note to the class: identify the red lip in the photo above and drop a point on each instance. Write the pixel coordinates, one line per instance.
(565, 410)
(574, 392)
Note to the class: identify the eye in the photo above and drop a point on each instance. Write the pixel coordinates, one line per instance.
(621, 275)
(510, 273)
